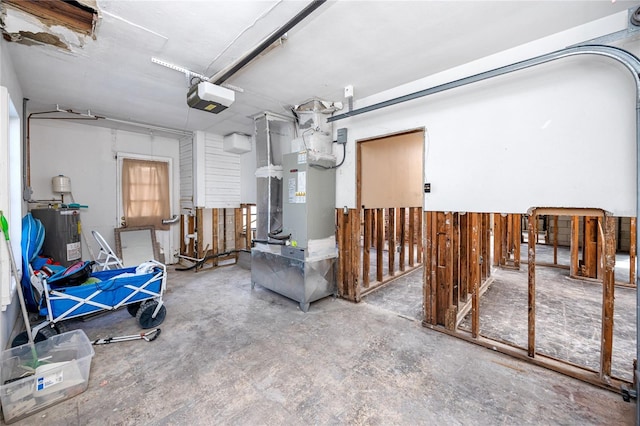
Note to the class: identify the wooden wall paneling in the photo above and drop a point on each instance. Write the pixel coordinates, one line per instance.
(464, 257)
(215, 230)
(516, 237)
(531, 319)
(379, 245)
(199, 233)
(403, 238)
(600, 247)
(240, 242)
(488, 239)
(555, 239)
(374, 219)
(427, 293)
(250, 234)
(441, 254)
(184, 219)
(366, 247)
(196, 229)
(348, 266)
(484, 246)
(225, 242)
(501, 239)
(474, 263)
(487, 262)
(411, 236)
(632, 252)
(508, 242)
(590, 247)
(342, 253)
(608, 287)
(574, 267)
(354, 220)
(481, 247)
(449, 307)
(349, 254)
(430, 269)
(498, 240)
(455, 249)
(391, 232)
(246, 225)
(191, 229)
(419, 228)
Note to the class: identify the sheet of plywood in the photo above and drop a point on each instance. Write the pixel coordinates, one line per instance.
(391, 171)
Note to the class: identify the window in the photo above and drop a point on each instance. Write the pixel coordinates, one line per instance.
(10, 195)
(145, 193)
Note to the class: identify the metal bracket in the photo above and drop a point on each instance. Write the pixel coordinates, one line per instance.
(632, 30)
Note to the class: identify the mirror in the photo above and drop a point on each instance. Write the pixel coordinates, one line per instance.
(136, 245)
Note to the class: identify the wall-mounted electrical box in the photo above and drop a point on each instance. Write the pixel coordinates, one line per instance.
(342, 135)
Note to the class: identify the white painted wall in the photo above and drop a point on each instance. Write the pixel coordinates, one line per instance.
(561, 134)
(217, 173)
(87, 155)
(9, 80)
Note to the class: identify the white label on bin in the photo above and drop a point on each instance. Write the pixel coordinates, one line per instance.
(50, 380)
(74, 251)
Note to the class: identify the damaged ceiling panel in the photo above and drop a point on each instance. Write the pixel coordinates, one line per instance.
(63, 24)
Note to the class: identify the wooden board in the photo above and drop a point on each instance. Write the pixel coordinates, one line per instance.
(391, 171)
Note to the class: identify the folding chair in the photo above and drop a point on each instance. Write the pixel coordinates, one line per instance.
(106, 258)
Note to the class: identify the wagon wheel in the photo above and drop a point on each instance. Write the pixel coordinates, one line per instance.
(47, 332)
(133, 308)
(144, 315)
(61, 327)
(23, 338)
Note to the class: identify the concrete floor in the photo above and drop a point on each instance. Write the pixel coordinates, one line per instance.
(568, 314)
(232, 355)
(568, 323)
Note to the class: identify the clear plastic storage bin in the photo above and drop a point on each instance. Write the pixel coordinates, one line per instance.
(58, 371)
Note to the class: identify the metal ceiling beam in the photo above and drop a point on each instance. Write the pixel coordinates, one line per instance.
(225, 74)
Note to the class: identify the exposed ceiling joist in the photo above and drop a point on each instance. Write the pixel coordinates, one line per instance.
(71, 14)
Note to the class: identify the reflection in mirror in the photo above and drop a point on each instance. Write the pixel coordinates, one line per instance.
(136, 245)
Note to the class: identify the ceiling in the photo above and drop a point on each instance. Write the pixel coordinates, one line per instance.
(372, 45)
